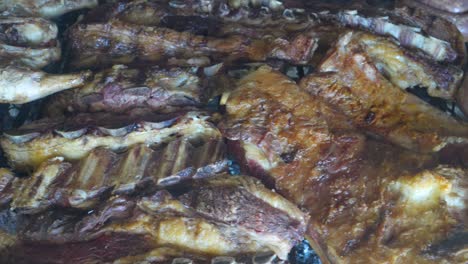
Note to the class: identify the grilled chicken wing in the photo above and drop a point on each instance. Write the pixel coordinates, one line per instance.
(120, 89)
(224, 216)
(96, 45)
(361, 92)
(19, 85)
(368, 201)
(44, 8)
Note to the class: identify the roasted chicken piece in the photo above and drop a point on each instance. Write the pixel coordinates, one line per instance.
(403, 68)
(43, 8)
(120, 89)
(369, 202)
(29, 41)
(27, 31)
(98, 45)
(230, 216)
(34, 58)
(74, 138)
(19, 84)
(363, 94)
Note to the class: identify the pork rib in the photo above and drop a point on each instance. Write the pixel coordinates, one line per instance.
(227, 216)
(95, 45)
(120, 89)
(83, 184)
(74, 138)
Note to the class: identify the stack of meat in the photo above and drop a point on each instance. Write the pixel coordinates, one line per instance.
(328, 106)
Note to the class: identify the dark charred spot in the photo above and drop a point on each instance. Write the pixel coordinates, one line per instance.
(288, 157)
(369, 117)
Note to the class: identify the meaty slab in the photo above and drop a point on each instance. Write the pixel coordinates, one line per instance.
(84, 183)
(403, 68)
(353, 84)
(104, 44)
(74, 138)
(226, 216)
(368, 201)
(120, 89)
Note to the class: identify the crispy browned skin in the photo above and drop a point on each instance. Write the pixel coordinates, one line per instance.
(224, 216)
(97, 45)
(371, 102)
(403, 68)
(362, 195)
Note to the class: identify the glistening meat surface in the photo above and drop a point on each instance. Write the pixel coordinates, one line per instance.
(362, 195)
(224, 216)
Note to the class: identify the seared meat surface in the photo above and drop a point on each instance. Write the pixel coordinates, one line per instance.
(363, 94)
(83, 184)
(403, 68)
(74, 138)
(127, 161)
(121, 89)
(224, 216)
(98, 45)
(369, 202)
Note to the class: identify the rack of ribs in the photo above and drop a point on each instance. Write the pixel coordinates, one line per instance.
(219, 219)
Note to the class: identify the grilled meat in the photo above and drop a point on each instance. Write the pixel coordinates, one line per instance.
(432, 36)
(230, 216)
(34, 58)
(361, 92)
(368, 201)
(74, 138)
(458, 6)
(403, 68)
(120, 89)
(30, 31)
(445, 11)
(29, 41)
(83, 184)
(19, 85)
(95, 45)
(43, 8)
(152, 13)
